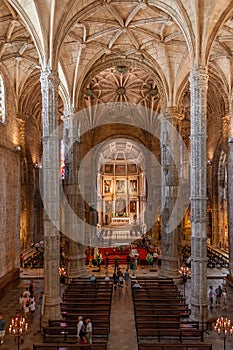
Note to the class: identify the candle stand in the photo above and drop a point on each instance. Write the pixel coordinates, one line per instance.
(224, 329)
(18, 327)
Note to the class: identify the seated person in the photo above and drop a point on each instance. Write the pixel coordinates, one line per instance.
(107, 278)
(136, 285)
(93, 279)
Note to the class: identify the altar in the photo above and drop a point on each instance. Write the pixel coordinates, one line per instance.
(120, 220)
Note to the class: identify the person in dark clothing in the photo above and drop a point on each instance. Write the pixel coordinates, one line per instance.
(31, 288)
(115, 280)
(82, 335)
(128, 261)
(106, 259)
(218, 294)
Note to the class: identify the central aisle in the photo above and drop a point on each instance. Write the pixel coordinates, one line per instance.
(122, 333)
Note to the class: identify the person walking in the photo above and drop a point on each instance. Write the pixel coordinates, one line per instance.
(2, 328)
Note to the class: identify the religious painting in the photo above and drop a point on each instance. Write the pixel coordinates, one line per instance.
(107, 186)
(133, 206)
(120, 169)
(120, 186)
(120, 206)
(109, 168)
(133, 184)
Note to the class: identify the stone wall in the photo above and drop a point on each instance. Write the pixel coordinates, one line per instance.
(9, 190)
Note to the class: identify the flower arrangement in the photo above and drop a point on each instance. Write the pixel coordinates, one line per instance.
(149, 259)
(98, 256)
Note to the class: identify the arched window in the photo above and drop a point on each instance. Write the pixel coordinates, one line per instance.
(2, 101)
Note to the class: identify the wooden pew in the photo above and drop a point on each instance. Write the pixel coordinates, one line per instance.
(77, 346)
(194, 346)
(60, 334)
(166, 324)
(162, 334)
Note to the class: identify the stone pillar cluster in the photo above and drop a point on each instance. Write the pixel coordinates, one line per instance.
(170, 163)
(51, 196)
(74, 251)
(198, 90)
(230, 188)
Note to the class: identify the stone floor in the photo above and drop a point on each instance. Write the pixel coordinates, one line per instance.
(123, 334)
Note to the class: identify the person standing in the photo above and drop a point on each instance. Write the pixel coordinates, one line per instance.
(210, 297)
(82, 335)
(79, 326)
(31, 288)
(218, 294)
(116, 263)
(115, 280)
(89, 331)
(106, 260)
(126, 276)
(128, 261)
(21, 260)
(2, 328)
(26, 293)
(32, 307)
(224, 299)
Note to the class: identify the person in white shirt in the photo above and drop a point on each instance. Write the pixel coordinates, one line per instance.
(89, 331)
(32, 307)
(136, 285)
(107, 279)
(79, 326)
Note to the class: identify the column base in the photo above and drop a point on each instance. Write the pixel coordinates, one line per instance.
(52, 311)
(198, 314)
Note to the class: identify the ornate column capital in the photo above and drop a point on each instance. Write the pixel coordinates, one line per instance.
(199, 75)
(173, 112)
(68, 114)
(49, 78)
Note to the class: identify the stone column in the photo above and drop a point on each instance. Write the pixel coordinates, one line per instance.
(170, 159)
(75, 250)
(198, 89)
(51, 179)
(230, 188)
(218, 190)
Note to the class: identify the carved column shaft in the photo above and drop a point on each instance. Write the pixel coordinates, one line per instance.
(170, 161)
(230, 188)
(198, 86)
(51, 174)
(74, 253)
(219, 189)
